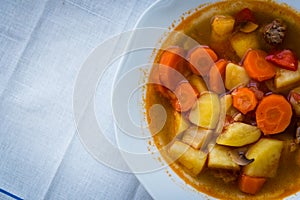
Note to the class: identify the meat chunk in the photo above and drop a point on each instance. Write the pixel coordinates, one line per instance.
(274, 32)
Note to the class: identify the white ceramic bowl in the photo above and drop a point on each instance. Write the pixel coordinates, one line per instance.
(158, 179)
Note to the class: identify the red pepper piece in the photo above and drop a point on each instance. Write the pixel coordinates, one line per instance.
(244, 15)
(285, 59)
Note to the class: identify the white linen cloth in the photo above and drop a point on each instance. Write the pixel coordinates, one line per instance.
(43, 45)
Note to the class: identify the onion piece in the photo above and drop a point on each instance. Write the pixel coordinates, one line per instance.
(249, 27)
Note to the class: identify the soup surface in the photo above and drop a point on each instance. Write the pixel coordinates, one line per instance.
(229, 81)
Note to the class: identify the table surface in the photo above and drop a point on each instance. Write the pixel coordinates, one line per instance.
(43, 45)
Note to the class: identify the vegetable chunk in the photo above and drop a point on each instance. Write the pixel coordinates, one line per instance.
(235, 76)
(197, 137)
(201, 59)
(227, 101)
(250, 184)
(198, 83)
(285, 59)
(273, 114)
(219, 157)
(239, 134)
(206, 111)
(295, 100)
(244, 100)
(222, 26)
(266, 153)
(242, 42)
(186, 96)
(257, 67)
(244, 15)
(286, 78)
(192, 159)
(180, 123)
(173, 67)
(216, 75)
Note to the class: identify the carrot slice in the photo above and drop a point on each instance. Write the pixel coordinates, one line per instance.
(173, 67)
(216, 76)
(257, 67)
(186, 97)
(273, 114)
(250, 184)
(201, 59)
(244, 100)
(154, 79)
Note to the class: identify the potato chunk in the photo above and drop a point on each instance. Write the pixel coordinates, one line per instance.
(198, 83)
(235, 75)
(294, 100)
(197, 137)
(226, 100)
(219, 157)
(266, 153)
(189, 157)
(239, 134)
(286, 78)
(206, 111)
(180, 123)
(222, 26)
(242, 42)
